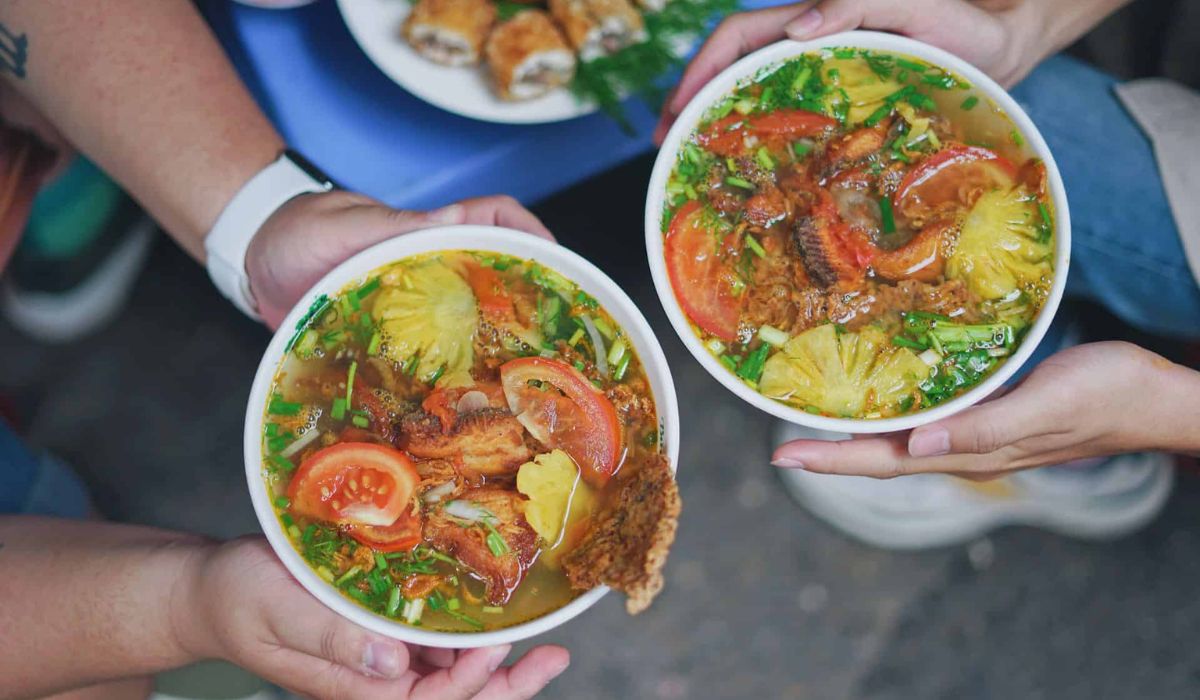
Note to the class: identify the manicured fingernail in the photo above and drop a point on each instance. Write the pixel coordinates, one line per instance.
(788, 463)
(452, 214)
(804, 25)
(498, 655)
(381, 659)
(933, 442)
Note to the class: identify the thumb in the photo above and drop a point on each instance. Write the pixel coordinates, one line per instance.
(984, 428)
(842, 15)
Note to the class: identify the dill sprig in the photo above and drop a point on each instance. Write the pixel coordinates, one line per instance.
(640, 69)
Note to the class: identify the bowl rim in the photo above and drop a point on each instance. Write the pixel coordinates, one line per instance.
(449, 238)
(723, 83)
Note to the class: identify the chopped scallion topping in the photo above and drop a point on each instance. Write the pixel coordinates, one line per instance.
(969, 103)
(373, 346)
(340, 406)
(753, 244)
(887, 215)
(282, 501)
(739, 182)
(350, 382)
(360, 421)
(279, 407)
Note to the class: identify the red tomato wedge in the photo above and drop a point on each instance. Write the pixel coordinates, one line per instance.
(951, 172)
(702, 280)
(494, 300)
(400, 536)
(726, 136)
(563, 410)
(354, 483)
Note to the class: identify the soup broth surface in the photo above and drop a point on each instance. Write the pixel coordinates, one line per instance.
(441, 433)
(858, 234)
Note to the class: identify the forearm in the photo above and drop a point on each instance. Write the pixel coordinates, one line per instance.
(82, 602)
(144, 90)
(1175, 391)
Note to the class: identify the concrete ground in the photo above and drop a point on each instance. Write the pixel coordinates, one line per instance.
(762, 600)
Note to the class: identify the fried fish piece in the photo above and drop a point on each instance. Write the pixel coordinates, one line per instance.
(627, 543)
(450, 32)
(529, 56)
(489, 441)
(467, 542)
(599, 27)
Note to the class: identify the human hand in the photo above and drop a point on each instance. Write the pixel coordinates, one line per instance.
(312, 234)
(993, 35)
(1090, 400)
(237, 602)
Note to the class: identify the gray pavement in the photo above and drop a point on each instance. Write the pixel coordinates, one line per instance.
(762, 600)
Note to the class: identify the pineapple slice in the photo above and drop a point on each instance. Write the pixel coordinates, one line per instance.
(998, 251)
(865, 90)
(430, 313)
(558, 500)
(844, 375)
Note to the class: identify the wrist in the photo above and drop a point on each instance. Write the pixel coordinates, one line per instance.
(192, 629)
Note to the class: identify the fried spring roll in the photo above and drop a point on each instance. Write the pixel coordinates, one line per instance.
(451, 32)
(599, 27)
(529, 56)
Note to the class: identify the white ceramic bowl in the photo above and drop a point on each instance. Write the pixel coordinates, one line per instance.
(483, 238)
(724, 83)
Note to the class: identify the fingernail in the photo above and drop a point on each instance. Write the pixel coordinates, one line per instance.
(498, 655)
(452, 214)
(803, 25)
(933, 442)
(381, 659)
(788, 463)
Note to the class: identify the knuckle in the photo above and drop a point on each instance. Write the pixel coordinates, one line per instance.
(986, 437)
(329, 644)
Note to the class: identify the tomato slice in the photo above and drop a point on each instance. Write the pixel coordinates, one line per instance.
(495, 303)
(946, 176)
(792, 123)
(702, 279)
(400, 536)
(565, 411)
(726, 136)
(354, 483)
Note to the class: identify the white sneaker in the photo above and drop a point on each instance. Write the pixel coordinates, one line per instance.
(1104, 500)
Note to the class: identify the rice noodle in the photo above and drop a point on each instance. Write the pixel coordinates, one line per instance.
(597, 345)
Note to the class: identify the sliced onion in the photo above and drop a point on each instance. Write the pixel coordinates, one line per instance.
(300, 443)
(438, 492)
(539, 432)
(597, 344)
(998, 352)
(466, 510)
(472, 401)
(930, 357)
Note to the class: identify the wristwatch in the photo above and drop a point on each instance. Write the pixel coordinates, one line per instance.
(288, 177)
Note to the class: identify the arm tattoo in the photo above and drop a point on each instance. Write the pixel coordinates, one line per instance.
(14, 50)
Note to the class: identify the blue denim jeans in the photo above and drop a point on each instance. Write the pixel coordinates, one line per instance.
(1125, 249)
(37, 484)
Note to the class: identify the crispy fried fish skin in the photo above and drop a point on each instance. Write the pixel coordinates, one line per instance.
(528, 56)
(501, 574)
(489, 441)
(628, 541)
(451, 32)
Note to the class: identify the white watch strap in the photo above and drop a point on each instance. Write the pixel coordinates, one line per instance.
(230, 237)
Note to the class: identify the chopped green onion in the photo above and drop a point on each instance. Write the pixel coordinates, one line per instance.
(497, 544)
(350, 573)
(754, 246)
(279, 407)
(729, 361)
(738, 182)
(410, 365)
(764, 158)
(621, 367)
(969, 103)
(288, 522)
(617, 351)
(340, 405)
(465, 618)
(491, 609)
(910, 65)
(906, 342)
(324, 572)
(751, 368)
(281, 463)
(802, 79)
(1047, 228)
(350, 382)
(294, 532)
(878, 115)
(1016, 138)
(602, 326)
(773, 336)
(271, 430)
(393, 604)
(413, 610)
(453, 604)
(360, 421)
(889, 217)
(373, 346)
(282, 501)
(801, 148)
(714, 346)
(307, 343)
(437, 374)
(575, 337)
(380, 561)
(367, 288)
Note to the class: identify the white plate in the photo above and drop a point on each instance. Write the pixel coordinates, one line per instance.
(375, 25)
